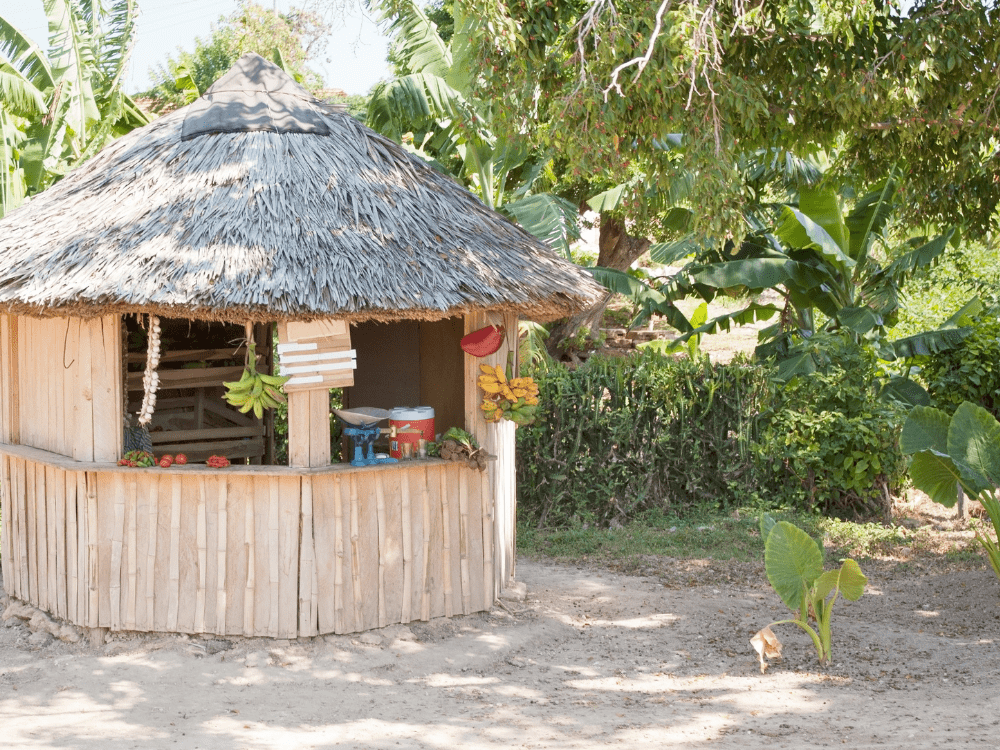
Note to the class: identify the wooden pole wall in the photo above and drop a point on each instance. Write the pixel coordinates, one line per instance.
(246, 553)
(498, 439)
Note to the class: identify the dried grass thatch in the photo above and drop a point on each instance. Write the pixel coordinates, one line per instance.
(272, 226)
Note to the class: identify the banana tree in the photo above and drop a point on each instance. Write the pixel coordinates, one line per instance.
(431, 110)
(58, 108)
(818, 260)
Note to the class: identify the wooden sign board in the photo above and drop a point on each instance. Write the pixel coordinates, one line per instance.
(317, 355)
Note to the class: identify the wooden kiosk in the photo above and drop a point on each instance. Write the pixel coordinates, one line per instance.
(255, 206)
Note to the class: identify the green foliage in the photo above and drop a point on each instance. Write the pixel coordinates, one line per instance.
(970, 371)
(794, 565)
(961, 450)
(611, 85)
(59, 107)
(616, 437)
(828, 443)
(296, 36)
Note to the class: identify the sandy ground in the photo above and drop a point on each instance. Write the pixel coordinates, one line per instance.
(591, 658)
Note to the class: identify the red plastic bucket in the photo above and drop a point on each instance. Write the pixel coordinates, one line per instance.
(412, 423)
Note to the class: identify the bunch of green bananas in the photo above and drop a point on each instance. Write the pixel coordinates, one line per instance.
(255, 390)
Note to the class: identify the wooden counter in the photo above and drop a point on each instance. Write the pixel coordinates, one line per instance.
(248, 550)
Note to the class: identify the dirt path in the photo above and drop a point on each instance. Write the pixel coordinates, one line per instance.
(590, 659)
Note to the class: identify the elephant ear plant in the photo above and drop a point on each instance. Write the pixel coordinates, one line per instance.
(958, 450)
(794, 564)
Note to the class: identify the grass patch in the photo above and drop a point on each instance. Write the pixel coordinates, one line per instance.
(705, 536)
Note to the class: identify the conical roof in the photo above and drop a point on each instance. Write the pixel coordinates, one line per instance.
(254, 203)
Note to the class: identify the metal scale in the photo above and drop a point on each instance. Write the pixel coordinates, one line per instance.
(361, 426)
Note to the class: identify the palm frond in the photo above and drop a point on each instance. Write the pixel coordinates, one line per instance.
(25, 55)
(17, 94)
(418, 44)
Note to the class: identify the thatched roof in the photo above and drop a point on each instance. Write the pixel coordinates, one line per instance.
(299, 214)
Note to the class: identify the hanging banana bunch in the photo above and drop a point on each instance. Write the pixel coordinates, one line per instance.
(515, 399)
(255, 391)
(150, 378)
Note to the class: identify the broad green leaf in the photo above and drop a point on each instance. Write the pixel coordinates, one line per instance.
(936, 474)
(418, 43)
(668, 253)
(965, 314)
(974, 446)
(925, 428)
(800, 364)
(861, 320)
(185, 82)
(868, 217)
(852, 581)
(610, 199)
(905, 392)
(755, 273)
(829, 581)
(793, 561)
(919, 258)
(799, 231)
(622, 283)
(749, 314)
(550, 218)
(929, 342)
(18, 95)
(823, 206)
(767, 523)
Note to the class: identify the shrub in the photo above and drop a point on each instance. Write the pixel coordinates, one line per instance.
(619, 436)
(968, 372)
(828, 444)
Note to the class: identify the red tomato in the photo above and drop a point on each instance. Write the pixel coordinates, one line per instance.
(165, 462)
(180, 459)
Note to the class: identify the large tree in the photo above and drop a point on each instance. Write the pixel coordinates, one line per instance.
(616, 85)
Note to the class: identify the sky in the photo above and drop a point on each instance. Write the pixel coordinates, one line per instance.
(354, 59)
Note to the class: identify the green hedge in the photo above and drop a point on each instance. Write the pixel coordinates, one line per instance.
(618, 436)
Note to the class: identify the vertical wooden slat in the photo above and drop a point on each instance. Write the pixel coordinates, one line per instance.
(93, 554)
(202, 542)
(307, 614)
(425, 580)
(463, 538)
(382, 545)
(47, 474)
(250, 539)
(23, 532)
(45, 594)
(359, 616)
(131, 551)
(55, 479)
(8, 539)
(82, 549)
(6, 362)
(319, 428)
(31, 545)
(325, 552)
(298, 428)
(121, 487)
(105, 341)
(290, 501)
(338, 560)
(490, 586)
(174, 589)
(60, 441)
(72, 554)
(15, 393)
(83, 397)
(220, 556)
(239, 551)
(406, 523)
(391, 542)
(152, 532)
(26, 385)
(446, 557)
(274, 556)
(71, 384)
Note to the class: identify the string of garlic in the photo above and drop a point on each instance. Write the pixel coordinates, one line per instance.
(150, 378)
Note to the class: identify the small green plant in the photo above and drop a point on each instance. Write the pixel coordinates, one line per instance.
(794, 564)
(958, 450)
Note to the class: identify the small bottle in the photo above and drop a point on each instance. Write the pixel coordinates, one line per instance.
(407, 450)
(422, 448)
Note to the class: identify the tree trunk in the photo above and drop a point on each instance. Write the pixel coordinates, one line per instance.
(618, 250)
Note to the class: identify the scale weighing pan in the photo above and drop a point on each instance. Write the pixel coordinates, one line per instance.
(363, 415)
